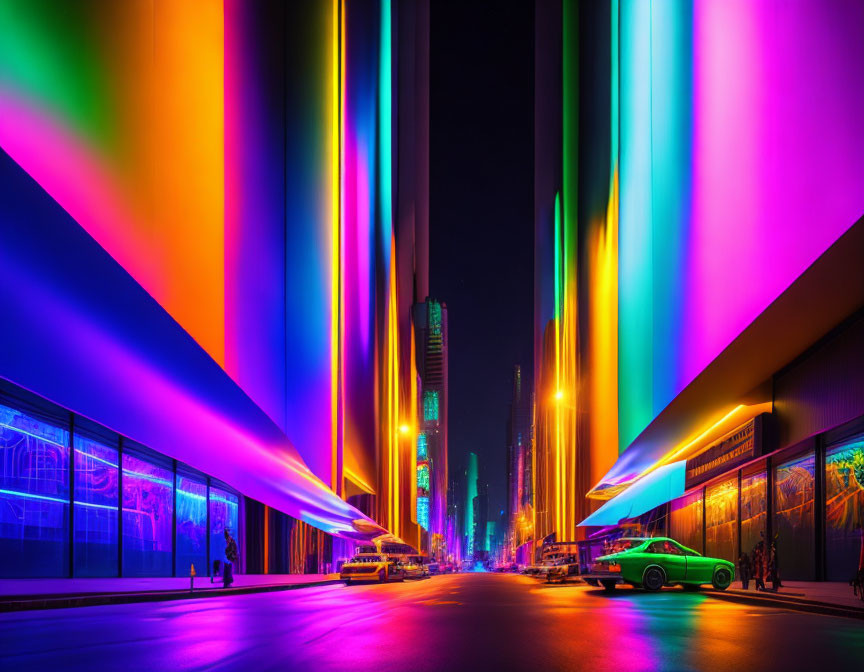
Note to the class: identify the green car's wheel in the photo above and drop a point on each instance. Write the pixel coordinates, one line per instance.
(722, 579)
(653, 579)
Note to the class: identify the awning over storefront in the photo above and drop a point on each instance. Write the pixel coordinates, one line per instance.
(658, 487)
(643, 456)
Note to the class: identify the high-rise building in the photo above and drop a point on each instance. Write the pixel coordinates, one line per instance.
(469, 520)
(481, 520)
(210, 249)
(698, 312)
(430, 332)
(519, 437)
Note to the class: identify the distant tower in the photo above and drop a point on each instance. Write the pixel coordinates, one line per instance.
(470, 495)
(430, 332)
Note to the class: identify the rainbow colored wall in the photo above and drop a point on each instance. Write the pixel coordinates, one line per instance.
(236, 160)
(741, 161)
(693, 159)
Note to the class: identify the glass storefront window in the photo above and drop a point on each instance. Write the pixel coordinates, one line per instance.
(191, 526)
(721, 520)
(34, 497)
(754, 510)
(96, 497)
(224, 514)
(148, 509)
(793, 496)
(844, 508)
(685, 521)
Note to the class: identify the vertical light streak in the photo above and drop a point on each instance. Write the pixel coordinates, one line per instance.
(393, 377)
(635, 270)
(337, 79)
(569, 390)
(556, 407)
(603, 303)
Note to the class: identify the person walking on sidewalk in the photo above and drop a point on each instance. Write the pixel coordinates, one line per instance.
(773, 570)
(759, 565)
(744, 570)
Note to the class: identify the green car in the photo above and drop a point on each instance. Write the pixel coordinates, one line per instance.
(651, 563)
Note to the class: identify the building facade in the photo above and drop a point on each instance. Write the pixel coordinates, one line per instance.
(693, 298)
(227, 212)
(520, 457)
(430, 330)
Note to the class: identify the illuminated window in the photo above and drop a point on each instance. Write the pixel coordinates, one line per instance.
(844, 507)
(422, 447)
(223, 516)
(721, 520)
(754, 510)
(435, 318)
(191, 526)
(423, 512)
(430, 405)
(794, 486)
(148, 510)
(423, 476)
(34, 496)
(96, 504)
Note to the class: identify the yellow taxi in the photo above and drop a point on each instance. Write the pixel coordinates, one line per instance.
(371, 567)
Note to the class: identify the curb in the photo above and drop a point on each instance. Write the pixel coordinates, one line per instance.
(101, 599)
(791, 603)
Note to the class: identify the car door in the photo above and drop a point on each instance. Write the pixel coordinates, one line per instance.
(699, 569)
(671, 558)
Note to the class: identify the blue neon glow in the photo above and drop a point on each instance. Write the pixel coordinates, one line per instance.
(423, 512)
(660, 486)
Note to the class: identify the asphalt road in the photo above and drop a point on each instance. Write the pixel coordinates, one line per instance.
(472, 622)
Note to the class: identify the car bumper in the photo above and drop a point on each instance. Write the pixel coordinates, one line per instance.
(371, 576)
(603, 576)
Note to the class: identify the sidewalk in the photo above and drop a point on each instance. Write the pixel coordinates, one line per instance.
(825, 597)
(28, 594)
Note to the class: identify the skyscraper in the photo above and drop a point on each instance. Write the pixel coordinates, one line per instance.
(519, 436)
(430, 332)
(469, 516)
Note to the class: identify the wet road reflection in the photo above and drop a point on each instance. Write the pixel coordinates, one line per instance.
(470, 622)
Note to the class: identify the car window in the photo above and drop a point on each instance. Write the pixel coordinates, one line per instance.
(684, 551)
(666, 548)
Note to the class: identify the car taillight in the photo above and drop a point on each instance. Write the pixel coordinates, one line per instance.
(614, 568)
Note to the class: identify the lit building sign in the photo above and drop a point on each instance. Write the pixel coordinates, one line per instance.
(423, 512)
(430, 405)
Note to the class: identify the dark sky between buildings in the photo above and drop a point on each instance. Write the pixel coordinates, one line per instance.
(481, 216)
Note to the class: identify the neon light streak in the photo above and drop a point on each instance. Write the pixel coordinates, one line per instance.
(352, 475)
(35, 436)
(337, 186)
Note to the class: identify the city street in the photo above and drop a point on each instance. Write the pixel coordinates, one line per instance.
(459, 622)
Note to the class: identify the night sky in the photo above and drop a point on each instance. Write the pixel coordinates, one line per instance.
(481, 216)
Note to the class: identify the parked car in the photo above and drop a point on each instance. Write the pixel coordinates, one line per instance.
(653, 563)
(372, 567)
(415, 567)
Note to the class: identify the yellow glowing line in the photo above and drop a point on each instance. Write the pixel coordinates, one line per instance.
(355, 478)
(335, 259)
(675, 453)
